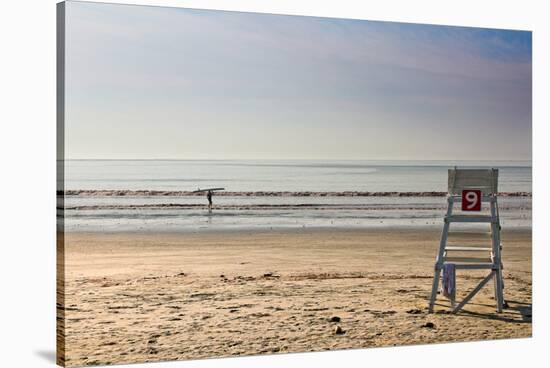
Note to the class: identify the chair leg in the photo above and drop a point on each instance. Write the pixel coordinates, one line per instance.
(495, 237)
(498, 290)
(435, 286)
(440, 254)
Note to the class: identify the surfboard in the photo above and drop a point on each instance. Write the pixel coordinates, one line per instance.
(207, 189)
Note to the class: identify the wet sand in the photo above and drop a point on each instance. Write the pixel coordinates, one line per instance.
(134, 297)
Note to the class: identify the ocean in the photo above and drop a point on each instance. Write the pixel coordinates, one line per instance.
(156, 195)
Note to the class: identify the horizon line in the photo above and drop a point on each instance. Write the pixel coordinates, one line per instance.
(530, 161)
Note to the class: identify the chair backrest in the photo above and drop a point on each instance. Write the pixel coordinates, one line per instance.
(485, 180)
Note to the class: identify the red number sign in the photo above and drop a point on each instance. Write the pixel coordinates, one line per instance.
(471, 200)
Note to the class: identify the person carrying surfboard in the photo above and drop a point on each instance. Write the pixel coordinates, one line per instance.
(209, 197)
(209, 193)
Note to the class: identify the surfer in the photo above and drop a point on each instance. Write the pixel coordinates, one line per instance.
(209, 197)
(209, 193)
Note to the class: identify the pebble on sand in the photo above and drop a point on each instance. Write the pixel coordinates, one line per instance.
(334, 319)
(428, 325)
(338, 330)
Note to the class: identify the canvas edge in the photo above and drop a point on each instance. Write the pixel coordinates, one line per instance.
(60, 183)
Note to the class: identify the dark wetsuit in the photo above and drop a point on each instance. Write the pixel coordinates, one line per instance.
(209, 197)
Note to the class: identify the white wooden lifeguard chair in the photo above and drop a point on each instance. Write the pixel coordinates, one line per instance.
(471, 188)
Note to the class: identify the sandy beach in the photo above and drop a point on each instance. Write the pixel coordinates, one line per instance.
(167, 296)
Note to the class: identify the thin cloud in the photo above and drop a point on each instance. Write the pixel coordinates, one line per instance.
(134, 66)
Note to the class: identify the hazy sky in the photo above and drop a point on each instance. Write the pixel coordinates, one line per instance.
(153, 82)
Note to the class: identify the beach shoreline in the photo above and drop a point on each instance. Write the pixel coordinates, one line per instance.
(190, 214)
(429, 232)
(174, 295)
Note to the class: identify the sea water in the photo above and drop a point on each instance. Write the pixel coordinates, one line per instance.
(91, 207)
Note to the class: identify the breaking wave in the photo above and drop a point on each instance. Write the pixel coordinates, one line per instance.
(169, 193)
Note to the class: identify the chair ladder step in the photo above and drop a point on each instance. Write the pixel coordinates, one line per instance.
(470, 218)
(475, 266)
(468, 249)
(467, 259)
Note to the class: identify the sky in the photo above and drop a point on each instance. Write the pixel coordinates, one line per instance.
(153, 82)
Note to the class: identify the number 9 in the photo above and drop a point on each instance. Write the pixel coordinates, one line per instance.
(472, 198)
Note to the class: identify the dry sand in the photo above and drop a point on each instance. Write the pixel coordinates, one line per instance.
(150, 297)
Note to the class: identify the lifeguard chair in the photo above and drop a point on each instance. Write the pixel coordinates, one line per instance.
(471, 188)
